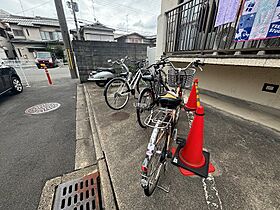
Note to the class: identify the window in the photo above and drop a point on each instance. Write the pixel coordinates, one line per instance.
(27, 32)
(18, 32)
(46, 35)
(59, 35)
(2, 33)
(43, 35)
(19, 52)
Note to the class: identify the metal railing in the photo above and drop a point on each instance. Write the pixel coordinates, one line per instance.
(191, 30)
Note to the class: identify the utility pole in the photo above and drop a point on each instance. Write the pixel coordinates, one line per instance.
(66, 38)
(74, 7)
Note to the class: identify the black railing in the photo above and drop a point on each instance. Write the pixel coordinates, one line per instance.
(191, 30)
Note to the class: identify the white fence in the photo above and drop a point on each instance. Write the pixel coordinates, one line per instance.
(19, 66)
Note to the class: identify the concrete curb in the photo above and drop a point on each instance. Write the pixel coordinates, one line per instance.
(109, 201)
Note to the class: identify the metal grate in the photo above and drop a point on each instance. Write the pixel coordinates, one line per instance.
(79, 194)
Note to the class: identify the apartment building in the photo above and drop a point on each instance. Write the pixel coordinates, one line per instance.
(242, 60)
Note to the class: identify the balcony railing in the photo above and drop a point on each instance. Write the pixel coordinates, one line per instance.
(190, 30)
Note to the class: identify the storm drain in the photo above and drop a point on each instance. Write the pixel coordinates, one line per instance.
(42, 108)
(79, 194)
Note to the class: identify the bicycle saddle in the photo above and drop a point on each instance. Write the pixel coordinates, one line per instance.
(170, 100)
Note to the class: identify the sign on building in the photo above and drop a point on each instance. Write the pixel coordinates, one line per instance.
(260, 19)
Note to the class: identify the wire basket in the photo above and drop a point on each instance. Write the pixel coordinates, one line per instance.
(183, 77)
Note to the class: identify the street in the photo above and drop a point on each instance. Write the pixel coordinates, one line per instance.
(35, 148)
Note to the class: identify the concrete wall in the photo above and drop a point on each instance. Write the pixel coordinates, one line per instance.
(25, 54)
(92, 54)
(34, 33)
(241, 82)
(98, 35)
(162, 25)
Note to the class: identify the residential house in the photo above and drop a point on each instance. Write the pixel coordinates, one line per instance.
(6, 48)
(31, 34)
(95, 32)
(136, 38)
(246, 70)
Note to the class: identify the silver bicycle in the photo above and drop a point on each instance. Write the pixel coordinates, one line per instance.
(118, 90)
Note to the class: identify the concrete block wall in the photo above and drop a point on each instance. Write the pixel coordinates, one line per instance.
(92, 54)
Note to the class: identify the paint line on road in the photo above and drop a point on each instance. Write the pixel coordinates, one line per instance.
(212, 197)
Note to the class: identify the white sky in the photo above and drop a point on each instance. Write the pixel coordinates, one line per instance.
(139, 15)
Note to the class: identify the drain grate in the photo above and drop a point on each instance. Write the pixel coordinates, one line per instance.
(42, 108)
(79, 194)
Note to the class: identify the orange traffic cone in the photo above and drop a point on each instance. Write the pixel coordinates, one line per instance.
(191, 104)
(190, 157)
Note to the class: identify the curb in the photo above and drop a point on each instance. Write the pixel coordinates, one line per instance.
(109, 201)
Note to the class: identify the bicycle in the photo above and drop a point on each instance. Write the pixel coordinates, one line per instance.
(147, 98)
(163, 120)
(118, 90)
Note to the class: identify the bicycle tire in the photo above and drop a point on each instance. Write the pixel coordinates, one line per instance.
(160, 159)
(140, 109)
(123, 83)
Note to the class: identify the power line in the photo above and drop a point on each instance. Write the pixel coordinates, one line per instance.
(31, 8)
(117, 6)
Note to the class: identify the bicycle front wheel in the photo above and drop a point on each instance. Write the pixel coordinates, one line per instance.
(117, 93)
(156, 163)
(144, 106)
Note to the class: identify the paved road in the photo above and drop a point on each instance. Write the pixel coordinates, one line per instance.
(35, 148)
(245, 154)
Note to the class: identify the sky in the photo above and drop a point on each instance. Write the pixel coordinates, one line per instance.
(123, 15)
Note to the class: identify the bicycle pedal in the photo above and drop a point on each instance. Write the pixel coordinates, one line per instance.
(163, 188)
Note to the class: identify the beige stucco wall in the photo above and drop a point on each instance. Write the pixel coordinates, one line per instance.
(168, 4)
(26, 55)
(34, 33)
(241, 82)
(161, 25)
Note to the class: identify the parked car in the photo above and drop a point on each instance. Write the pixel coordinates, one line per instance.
(9, 80)
(46, 58)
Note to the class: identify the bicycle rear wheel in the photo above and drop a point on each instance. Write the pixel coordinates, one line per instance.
(155, 164)
(145, 104)
(117, 93)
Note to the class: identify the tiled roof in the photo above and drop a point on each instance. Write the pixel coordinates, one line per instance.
(98, 26)
(30, 21)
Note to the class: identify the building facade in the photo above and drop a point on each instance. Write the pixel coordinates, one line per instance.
(31, 34)
(247, 70)
(94, 32)
(136, 38)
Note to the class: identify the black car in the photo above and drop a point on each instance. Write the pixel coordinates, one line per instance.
(9, 80)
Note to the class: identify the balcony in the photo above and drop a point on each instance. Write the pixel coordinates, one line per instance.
(190, 32)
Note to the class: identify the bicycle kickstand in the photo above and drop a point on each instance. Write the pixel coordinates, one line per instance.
(164, 188)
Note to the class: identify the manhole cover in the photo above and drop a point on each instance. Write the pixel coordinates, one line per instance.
(82, 193)
(42, 108)
(119, 116)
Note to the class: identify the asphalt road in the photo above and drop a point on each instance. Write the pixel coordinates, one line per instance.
(245, 154)
(35, 148)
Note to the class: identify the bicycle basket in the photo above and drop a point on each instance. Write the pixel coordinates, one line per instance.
(184, 77)
(172, 77)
